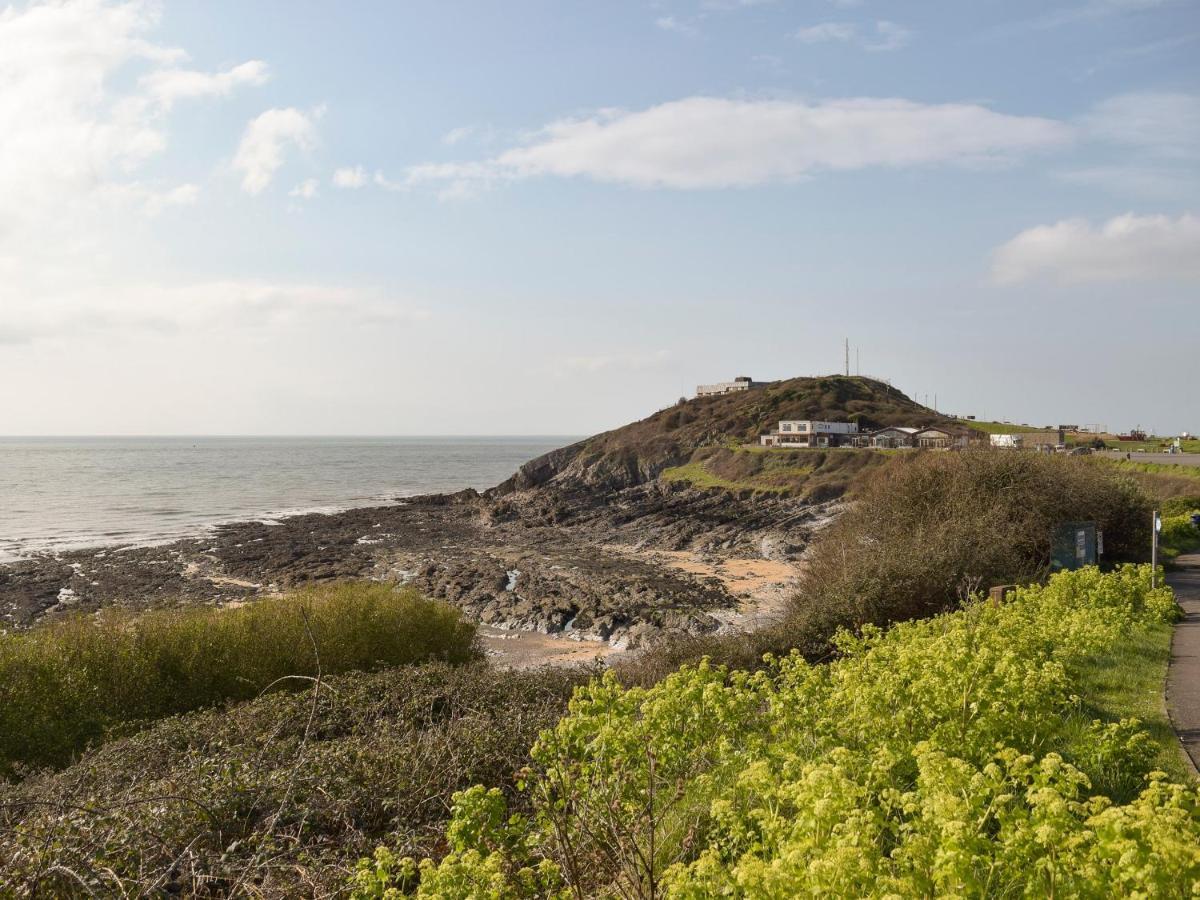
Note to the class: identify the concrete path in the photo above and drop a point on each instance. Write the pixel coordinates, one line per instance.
(1183, 677)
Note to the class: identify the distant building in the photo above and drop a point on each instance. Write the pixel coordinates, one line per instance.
(809, 433)
(741, 383)
(891, 438)
(1048, 441)
(939, 439)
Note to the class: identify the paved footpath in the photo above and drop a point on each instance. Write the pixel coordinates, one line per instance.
(1183, 677)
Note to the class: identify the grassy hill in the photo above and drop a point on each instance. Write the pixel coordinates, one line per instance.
(642, 450)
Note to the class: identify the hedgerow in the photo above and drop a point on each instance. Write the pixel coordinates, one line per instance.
(952, 757)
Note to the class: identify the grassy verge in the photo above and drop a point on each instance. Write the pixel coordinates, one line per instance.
(1128, 682)
(74, 682)
(1173, 469)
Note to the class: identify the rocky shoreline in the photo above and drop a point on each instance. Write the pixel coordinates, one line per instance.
(554, 559)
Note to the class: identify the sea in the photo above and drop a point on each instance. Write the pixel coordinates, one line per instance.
(61, 493)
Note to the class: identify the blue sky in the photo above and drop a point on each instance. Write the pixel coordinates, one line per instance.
(536, 217)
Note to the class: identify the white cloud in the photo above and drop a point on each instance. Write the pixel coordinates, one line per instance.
(455, 135)
(1166, 124)
(1089, 11)
(166, 86)
(73, 128)
(84, 311)
(709, 142)
(305, 190)
(827, 31)
(350, 177)
(884, 35)
(1147, 145)
(888, 36)
(260, 153)
(677, 25)
(1123, 248)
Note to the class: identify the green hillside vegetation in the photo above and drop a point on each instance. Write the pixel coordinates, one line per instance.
(1178, 534)
(1172, 470)
(639, 452)
(925, 530)
(931, 528)
(814, 475)
(998, 427)
(78, 680)
(973, 754)
(277, 796)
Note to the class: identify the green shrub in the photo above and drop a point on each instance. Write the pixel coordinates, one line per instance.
(932, 528)
(1178, 534)
(279, 794)
(70, 683)
(925, 530)
(937, 758)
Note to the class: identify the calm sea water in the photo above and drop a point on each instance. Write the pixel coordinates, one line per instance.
(60, 493)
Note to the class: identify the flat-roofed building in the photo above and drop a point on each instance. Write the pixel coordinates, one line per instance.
(739, 384)
(810, 433)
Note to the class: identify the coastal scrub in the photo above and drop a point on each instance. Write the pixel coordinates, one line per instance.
(960, 755)
(76, 681)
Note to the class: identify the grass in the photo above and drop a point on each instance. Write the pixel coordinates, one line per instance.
(695, 474)
(814, 474)
(998, 427)
(1173, 469)
(1153, 445)
(1129, 682)
(78, 681)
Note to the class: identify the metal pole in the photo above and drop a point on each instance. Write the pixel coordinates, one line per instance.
(1153, 549)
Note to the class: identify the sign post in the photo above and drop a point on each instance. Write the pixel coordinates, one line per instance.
(1155, 527)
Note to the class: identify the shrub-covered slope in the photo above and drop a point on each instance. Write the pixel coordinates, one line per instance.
(966, 755)
(638, 452)
(278, 796)
(75, 681)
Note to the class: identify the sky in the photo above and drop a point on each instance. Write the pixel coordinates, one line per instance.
(535, 217)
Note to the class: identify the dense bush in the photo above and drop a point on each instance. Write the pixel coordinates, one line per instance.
(277, 796)
(948, 757)
(1179, 534)
(931, 528)
(69, 683)
(924, 531)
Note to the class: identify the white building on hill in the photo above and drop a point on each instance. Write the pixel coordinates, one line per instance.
(741, 383)
(808, 433)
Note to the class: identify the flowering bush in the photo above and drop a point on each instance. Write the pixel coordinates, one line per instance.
(932, 758)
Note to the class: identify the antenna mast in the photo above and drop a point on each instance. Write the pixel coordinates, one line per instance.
(847, 357)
